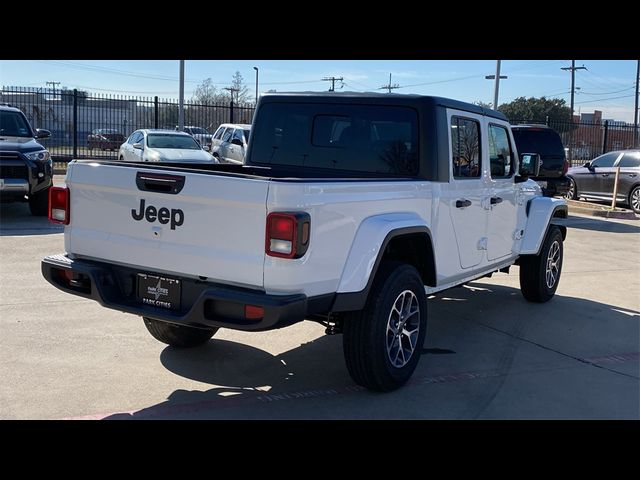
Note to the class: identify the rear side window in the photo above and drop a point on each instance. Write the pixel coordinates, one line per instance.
(630, 160)
(465, 148)
(358, 138)
(500, 154)
(227, 135)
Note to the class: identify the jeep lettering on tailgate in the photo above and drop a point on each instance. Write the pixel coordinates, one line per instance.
(163, 215)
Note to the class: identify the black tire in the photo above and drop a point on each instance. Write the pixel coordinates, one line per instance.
(39, 203)
(178, 335)
(572, 193)
(634, 199)
(366, 336)
(537, 284)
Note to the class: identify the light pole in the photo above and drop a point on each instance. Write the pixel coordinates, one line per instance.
(256, 69)
(497, 78)
(181, 99)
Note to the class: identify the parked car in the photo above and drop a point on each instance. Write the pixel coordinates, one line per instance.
(148, 145)
(230, 141)
(105, 139)
(26, 168)
(546, 141)
(202, 135)
(596, 179)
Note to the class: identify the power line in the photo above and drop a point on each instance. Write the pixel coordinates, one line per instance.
(605, 99)
(607, 93)
(442, 81)
(333, 82)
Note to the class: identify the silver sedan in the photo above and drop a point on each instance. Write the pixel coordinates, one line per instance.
(163, 146)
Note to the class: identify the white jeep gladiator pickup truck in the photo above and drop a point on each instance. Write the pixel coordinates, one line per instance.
(350, 210)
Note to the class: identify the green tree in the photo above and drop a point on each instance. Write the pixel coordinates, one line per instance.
(536, 110)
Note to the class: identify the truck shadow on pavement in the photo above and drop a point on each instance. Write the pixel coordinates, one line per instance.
(16, 219)
(256, 384)
(598, 224)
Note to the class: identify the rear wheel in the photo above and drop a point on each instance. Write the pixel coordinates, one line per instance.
(382, 343)
(540, 274)
(634, 199)
(178, 335)
(39, 203)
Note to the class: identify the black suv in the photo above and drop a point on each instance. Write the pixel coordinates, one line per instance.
(554, 166)
(26, 169)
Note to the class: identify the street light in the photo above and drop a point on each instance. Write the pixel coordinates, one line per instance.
(256, 69)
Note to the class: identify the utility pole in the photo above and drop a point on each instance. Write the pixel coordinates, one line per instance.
(181, 100)
(333, 82)
(54, 87)
(497, 77)
(573, 69)
(635, 112)
(233, 90)
(389, 86)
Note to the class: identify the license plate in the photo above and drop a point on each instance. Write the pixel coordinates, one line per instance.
(159, 291)
(542, 184)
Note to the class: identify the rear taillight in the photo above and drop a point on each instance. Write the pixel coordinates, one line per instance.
(59, 205)
(287, 234)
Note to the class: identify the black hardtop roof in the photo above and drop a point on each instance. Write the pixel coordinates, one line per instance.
(424, 101)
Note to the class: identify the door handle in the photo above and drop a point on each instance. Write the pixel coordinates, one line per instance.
(633, 175)
(495, 200)
(463, 203)
(605, 174)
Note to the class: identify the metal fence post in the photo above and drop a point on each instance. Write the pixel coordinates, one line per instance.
(75, 123)
(155, 112)
(606, 136)
(231, 111)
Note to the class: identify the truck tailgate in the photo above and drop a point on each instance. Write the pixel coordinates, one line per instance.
(213, 227)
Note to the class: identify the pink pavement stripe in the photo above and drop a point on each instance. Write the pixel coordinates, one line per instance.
(250, 397)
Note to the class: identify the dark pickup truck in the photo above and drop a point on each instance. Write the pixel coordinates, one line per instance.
(26, 169)
(554, 166)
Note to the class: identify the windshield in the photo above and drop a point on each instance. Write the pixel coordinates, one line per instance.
(14, 124)
(544, 141)
(172, 141)
(199, 131)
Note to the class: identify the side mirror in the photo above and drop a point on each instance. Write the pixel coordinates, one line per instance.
(588, 165)
(237, 141)
(206, 148)
(530, 165)
(42, 133)
(137, 146)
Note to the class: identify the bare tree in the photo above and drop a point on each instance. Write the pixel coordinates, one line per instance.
(241, 91)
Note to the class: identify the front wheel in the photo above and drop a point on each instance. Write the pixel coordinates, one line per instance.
(178, 335)
(39, 203)
(540, 274)
(572, 193)
(382, 343)
(634, 199)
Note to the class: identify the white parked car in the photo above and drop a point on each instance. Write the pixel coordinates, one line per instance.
(229, 143)
(163, 146)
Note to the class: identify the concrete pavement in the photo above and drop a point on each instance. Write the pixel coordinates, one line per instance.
(488, 353)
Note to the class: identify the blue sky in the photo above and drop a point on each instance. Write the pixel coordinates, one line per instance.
(607, 85)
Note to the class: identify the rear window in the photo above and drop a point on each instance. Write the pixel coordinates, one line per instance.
(544, 141)
(357, 138)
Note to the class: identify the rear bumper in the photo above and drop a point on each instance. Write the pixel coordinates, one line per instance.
(203, 304)
(555, 186)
